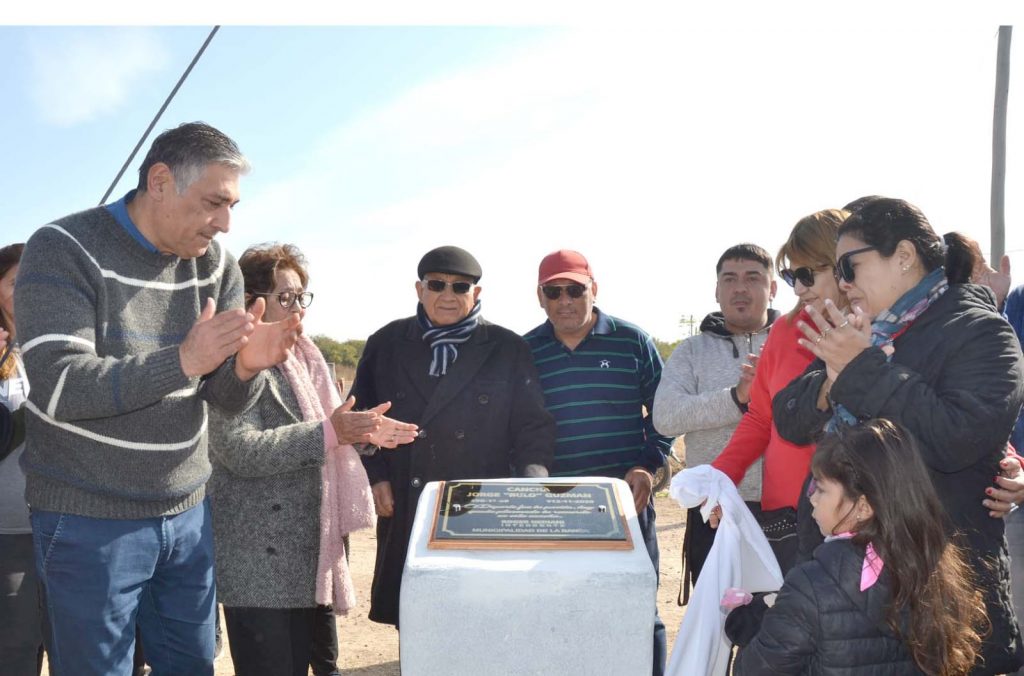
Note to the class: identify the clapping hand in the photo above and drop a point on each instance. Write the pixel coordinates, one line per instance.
(997, 280)
(393, 433)
(213, 338)
(1008, 492)
(269, 342)
(370, 426)
(836, 339)
(747, 373)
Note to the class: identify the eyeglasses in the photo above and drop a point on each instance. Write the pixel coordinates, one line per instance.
(287, 299)
(804, 275)
(553, 292)
(439, 285)
(844, 266)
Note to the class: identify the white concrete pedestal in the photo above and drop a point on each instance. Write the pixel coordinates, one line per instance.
(519, 612)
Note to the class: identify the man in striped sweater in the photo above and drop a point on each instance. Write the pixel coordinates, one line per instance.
(598, 374)
(130, 320)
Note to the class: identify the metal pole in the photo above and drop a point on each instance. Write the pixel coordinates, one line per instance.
(997, 212)
(160, 112)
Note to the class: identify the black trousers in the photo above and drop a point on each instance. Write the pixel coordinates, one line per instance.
(21, 614)
(282, 641)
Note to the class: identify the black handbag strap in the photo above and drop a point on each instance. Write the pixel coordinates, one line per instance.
(684, 582)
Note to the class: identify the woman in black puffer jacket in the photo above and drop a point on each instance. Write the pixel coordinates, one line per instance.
(935, 358)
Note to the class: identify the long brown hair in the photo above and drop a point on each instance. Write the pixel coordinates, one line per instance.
(10, 256)
(929, 575)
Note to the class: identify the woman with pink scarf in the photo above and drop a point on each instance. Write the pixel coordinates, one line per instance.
(287, 487)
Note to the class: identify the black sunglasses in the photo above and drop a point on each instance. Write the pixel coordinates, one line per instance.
(804, 275)
(439, 285)
(552, 292)
(844, 266)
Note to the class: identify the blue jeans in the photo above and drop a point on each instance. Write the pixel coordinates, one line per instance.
(646, 521)
(101, 577)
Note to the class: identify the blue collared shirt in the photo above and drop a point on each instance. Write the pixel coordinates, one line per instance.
(119, 210)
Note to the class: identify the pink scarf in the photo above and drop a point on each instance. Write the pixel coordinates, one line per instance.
(346, 503)
(871, 569)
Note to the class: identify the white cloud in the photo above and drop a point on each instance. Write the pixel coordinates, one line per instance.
(77, 75)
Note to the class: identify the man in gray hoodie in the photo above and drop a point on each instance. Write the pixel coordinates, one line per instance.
(705, 385)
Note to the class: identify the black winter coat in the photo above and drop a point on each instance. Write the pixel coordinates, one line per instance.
(955, 381)
(822, 623)
(484, 419)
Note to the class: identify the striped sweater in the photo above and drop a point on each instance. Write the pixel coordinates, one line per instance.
(114, 428)
(597, 394)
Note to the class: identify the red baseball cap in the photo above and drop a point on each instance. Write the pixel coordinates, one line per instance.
(565, 264)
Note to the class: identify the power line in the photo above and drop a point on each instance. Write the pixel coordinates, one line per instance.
(181, 80)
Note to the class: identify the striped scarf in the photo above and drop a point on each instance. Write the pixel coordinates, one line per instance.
(444, 339)
(890, 323)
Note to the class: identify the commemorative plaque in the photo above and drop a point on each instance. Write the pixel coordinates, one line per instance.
(528, 515)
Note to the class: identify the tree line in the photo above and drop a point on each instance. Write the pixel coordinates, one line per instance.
(347, 353)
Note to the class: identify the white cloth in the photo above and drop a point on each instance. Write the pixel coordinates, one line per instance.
(740, 557)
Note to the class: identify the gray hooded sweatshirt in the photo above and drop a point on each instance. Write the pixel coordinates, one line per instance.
(695, 396)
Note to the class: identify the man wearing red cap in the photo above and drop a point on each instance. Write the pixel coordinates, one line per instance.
(598, 373)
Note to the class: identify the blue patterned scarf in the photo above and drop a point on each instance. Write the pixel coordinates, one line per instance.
(444, 339)
(890, 323)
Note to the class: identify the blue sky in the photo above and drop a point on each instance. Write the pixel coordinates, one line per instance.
(649, 146)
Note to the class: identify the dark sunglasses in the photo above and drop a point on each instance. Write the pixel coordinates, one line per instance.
(844, 266)
(287, 299)
(552, 292)
(803, 275)
(439, 285)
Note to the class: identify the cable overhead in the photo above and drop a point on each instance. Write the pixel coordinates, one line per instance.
(181, 80)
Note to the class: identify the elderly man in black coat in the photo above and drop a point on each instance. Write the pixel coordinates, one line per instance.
(470, 386)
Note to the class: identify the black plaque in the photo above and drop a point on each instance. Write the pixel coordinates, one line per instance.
(523, 515)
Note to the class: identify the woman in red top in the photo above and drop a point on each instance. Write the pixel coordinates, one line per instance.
(806, 262)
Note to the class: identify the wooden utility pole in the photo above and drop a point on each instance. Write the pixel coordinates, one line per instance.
(997, 212)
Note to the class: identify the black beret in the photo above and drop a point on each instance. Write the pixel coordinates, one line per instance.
(451, 260)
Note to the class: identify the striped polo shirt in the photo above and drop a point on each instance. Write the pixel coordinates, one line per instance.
(597, 394)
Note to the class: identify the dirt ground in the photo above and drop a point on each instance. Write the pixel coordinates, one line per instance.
(370, 649)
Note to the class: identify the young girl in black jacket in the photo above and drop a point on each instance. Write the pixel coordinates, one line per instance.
(888, 592)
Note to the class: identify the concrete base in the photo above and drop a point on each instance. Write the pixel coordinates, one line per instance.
(521, 612)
